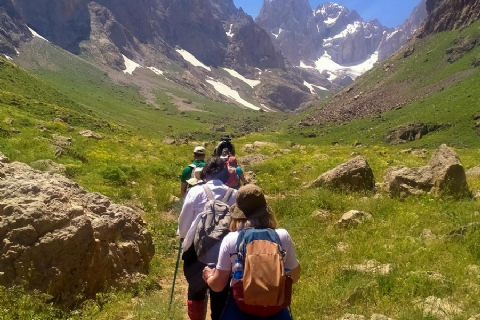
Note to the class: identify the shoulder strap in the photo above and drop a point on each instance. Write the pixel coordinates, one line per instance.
(208, 192)
(241, 245)
(228, 195)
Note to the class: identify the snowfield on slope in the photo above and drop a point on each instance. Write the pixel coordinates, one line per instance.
(230, 93)
(156, 71)
(36, 35)
(192, 60)
(251, 83)
(130, 65)
(325, 63)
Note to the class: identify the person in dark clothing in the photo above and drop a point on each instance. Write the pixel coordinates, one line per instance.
(225, 143)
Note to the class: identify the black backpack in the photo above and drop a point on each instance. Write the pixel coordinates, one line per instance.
(225, 144)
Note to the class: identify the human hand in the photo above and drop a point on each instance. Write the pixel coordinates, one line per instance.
(208, 273)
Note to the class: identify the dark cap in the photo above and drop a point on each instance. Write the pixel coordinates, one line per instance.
(251, 203)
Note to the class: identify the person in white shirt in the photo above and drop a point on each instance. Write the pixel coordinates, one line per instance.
(215, 174)
(250, 211)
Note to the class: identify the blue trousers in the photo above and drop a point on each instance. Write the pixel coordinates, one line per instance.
(231, 312)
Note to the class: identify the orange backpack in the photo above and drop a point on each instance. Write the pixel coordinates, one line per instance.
(265, 289)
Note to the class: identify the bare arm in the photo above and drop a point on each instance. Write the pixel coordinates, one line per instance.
(295, 274)
(244, 181)
(183, 189)
(217, 280)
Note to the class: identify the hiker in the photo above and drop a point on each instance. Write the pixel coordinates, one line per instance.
(226, 142)
(197, 203)
(249, 297)
(225, 154)
(191, 174)
(235, 174)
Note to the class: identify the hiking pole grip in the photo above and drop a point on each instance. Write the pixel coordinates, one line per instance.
(175, 273)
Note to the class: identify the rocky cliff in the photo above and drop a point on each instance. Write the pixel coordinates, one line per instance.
(64, 241)
(446, 15)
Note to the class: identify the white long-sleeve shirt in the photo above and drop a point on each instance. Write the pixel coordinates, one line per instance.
(195, 202)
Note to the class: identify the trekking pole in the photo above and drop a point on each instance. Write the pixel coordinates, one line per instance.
(205, 306)
(175, 274)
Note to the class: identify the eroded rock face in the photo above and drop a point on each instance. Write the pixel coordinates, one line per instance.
(444, 175)
(64, 241)
(412, 132)
(354, 175)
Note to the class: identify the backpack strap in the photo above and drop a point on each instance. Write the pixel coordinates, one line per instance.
(228, 195)
(208, 192)
(241, 245)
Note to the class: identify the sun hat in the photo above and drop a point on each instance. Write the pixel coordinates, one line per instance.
(251, 203)
(226, 137)
(199, 150)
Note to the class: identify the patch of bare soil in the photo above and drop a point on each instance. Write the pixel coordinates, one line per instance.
(183, 104)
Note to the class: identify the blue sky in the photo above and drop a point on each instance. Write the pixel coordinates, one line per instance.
(391, 13)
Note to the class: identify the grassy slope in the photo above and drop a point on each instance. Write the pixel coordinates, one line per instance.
(325, 291)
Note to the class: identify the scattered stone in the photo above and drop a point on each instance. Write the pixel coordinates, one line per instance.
(64, 241)
(285, 151)
(406, 151)
(61, 141)
(431, 275)
(476, 317)
(411, 132)
(248, 148)
(371, 267)
(437, 307)
(422, 153)
(427, 234)
(8, 121)
(464, 229)
(90, 134)
(474, 172)
(321, 214)
(350, 316)
(408, 52)
(169, 141)
(354, 175)
(444, 175)
(353, 218)
(377, 316)
(342, 247)
(58, 120)
(173, 199)
(251, 177)
(261, 144)
(252, 160)
(473, 270)
(49, 166)
(221, 128)
(308, 167)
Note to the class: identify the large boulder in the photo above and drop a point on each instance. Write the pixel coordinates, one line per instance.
(411, 132)
(49, 166)
(354, 175)
(444, 175)
(62, 240)
(252, 160)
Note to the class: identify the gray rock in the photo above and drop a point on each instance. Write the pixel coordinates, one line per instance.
(90, 134)
(444, 175)
(411, 132)
(474, 172)
(65, 241)
(353, 218)
(252, 160)
(4, 158)
(350, 316)
(354, 175)
(371, 267)
(248, 148)
(377, 316)
(169, 141)
(437, 307)
(251, 177)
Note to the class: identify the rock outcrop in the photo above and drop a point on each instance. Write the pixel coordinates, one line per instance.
(64, 241)
(444, 175)
(354, 175)
(353, 218)
(411, 132)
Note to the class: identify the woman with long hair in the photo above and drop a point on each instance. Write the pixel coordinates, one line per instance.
(250, 212)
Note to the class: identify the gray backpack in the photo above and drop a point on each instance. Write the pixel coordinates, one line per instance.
(213, 227)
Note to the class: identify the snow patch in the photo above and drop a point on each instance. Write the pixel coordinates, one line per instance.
(192, 60)
(156, 71)
(229, 33)
(251, 83)
(390, 35)
(279, 33)
(267, 108)
(36, 35)
(8, 57)
(230, 93)
(16, 51)
(311, 87)
(350, 29)
(130, 65)
(325, 63)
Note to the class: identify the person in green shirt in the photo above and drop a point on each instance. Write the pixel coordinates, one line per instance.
(192, 172)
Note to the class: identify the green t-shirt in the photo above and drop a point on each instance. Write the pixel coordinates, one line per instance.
(187, 172)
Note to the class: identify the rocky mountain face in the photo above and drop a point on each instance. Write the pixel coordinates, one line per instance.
(153, 33)
(446, 15)
(394, 40)
(332, 38)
